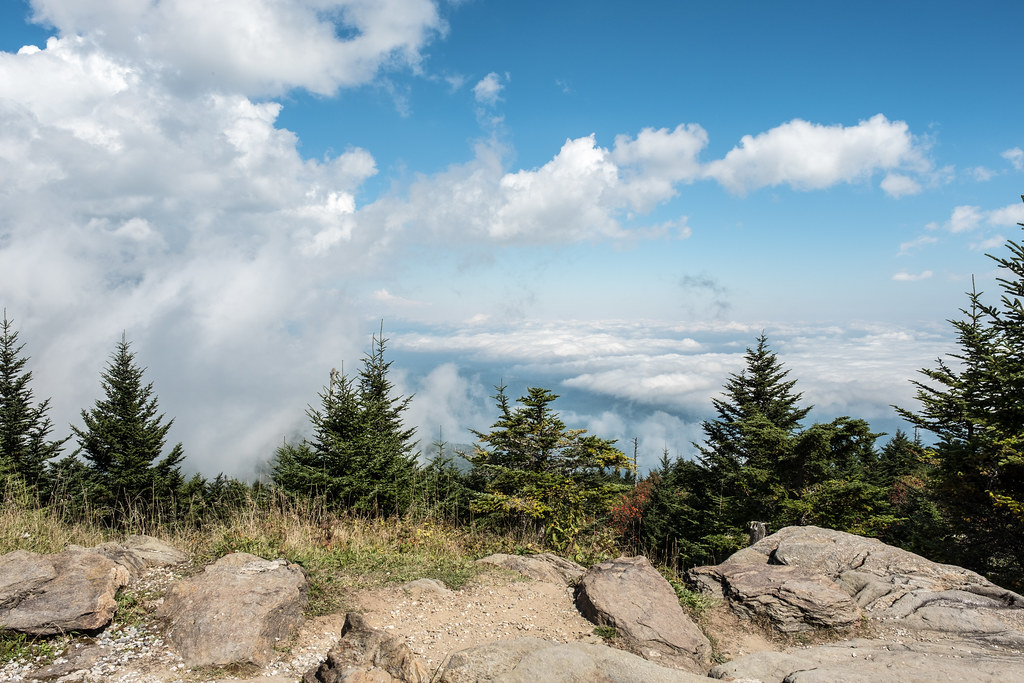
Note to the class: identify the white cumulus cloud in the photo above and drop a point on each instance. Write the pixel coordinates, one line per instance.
(810, 156)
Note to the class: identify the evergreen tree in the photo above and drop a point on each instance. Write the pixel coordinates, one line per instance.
(537, 475)
(674, 522)
(748, 444)
(899, 457)
(25, 446)
(387, 449)
(123, 438)
(361, 457)
(759, 465)
(444, 490)
(903, 471)
(827, 480)
(975, 408)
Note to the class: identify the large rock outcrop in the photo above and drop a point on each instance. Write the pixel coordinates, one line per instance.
(884, 583)
(630, 595)
(236, 610)
(528, 660)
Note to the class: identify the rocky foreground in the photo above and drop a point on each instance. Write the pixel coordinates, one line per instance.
(804, 604)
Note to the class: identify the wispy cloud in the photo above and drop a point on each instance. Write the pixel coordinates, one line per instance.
(912, 277)
(914, 244)
(982, 174)
(1015, 156)
(898, 185)
(487, 91)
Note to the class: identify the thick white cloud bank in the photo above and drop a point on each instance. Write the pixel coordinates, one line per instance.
(256, 47)
(148, 188)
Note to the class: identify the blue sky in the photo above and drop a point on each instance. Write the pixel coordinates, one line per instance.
(608, 200)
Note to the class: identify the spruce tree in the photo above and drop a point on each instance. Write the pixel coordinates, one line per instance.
(361, 457)
(974, 405)
(123, 439)
(25, 446)
(386, 448)
(748, 445)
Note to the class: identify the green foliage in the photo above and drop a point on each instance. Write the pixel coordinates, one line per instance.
(974, 405)
(696, 604)
(20, 647)
(122, 442)
(536, 475)
(746, 445)
(25, 446)
(757, 464)
(361, 457)
(443, 490)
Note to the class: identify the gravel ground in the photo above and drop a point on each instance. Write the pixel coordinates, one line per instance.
(497, 606)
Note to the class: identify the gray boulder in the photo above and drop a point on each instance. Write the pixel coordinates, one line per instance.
(528, 660)
(871, 661)
(236, 610)
(46, 595)
(366, 654)
(875, 574)
(791, 598)
(542, 567)
(630, 595)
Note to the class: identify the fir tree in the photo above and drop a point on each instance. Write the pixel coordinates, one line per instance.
(24, 428)
(123, 438)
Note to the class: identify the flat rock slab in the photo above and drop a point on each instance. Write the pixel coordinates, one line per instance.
(153, 551)
(630, 595)
(236, 610)
(876, 573)
(46, 595)
(529, 660)
(866, 661)
(541, 567)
